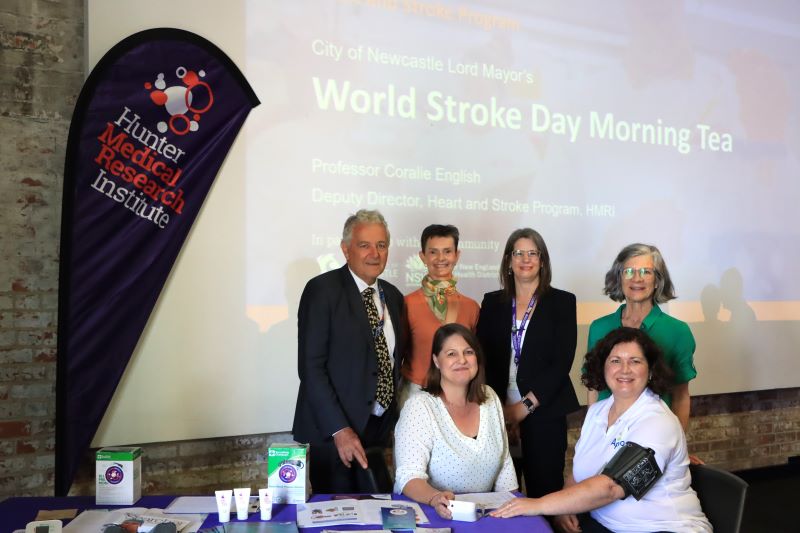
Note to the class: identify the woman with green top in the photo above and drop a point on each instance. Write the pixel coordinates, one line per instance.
(639, 277)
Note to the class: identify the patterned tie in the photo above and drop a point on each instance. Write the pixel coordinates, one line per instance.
(385, 389)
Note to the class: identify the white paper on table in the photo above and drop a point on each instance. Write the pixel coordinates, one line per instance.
(423, 529)
(486, 500)
(96, 520)
(350, 511)
(328, 513)
(204, 504)
(90, 521)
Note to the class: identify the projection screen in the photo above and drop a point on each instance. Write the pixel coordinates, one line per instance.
(597, 124)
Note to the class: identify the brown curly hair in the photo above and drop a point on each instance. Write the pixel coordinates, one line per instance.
(661, 377)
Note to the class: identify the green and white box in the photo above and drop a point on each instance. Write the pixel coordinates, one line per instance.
(287, 472)
(118, 475)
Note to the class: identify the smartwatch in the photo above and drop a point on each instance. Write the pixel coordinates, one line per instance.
(528, 404)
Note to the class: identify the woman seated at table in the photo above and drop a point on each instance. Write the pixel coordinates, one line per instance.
(450, 437)
(630, 364)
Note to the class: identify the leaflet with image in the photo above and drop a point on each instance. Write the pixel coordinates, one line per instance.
(351, 511)
(97, 520)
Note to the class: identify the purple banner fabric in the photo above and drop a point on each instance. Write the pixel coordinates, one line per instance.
(151, 129)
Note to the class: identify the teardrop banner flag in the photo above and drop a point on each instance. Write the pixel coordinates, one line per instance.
(151, 128)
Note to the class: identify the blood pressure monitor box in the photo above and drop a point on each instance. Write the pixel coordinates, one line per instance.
(287, 472)
(118, 475)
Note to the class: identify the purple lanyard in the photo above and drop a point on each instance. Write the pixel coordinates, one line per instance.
(516, 334)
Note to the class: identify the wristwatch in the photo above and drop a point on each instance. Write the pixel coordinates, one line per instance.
(528, 404)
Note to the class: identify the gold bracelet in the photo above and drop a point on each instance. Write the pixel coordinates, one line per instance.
(432, 497)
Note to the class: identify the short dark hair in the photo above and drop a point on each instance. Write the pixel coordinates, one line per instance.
(595, 361)
(438, 230)
(475, 392)
(545, 274)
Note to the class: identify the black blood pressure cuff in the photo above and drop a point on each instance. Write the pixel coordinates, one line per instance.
(634, 468)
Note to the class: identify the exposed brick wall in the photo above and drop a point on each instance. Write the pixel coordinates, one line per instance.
(197, 466)
(41, 65)
(736, 431)
(41, 71)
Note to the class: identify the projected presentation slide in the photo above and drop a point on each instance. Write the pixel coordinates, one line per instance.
(598, 124)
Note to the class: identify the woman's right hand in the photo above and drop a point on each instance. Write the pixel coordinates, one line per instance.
(513, 433)
(568, 523)
(440, 503)
(515, 413)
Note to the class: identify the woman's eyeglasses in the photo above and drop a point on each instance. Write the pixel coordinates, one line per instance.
(630, 272)
(529, 253)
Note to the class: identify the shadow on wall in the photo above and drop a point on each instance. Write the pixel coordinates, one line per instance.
(739, 353)
(279, 343)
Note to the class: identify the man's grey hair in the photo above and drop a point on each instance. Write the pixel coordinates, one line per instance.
(363, 216)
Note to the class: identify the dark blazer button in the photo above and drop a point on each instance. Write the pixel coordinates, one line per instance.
(374, 373)
(369, 402)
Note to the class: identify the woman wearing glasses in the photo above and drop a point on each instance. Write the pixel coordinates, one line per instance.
(528, 332)
(639, 277)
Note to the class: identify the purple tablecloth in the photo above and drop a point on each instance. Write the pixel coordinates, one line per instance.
(16, 512)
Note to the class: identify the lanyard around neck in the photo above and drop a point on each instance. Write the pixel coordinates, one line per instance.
(517, 333)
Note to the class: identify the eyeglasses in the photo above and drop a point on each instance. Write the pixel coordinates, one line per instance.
(530, 253)
(643, 272)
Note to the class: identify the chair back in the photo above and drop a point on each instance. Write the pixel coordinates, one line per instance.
(376, 479)
(721, 495)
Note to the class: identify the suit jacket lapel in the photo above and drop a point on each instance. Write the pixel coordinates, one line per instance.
(356, 304)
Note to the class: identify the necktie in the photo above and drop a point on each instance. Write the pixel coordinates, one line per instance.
(385, 388)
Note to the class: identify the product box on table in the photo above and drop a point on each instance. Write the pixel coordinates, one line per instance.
(118, 475)
(287, 472)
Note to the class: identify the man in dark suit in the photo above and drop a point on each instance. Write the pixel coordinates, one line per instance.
(349, 358)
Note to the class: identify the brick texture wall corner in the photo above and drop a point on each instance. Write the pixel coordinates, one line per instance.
(41, 73)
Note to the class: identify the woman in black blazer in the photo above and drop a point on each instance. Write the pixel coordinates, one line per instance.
(530, 329)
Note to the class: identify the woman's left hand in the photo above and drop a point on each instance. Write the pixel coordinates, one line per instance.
(516, 507)
(440, 503)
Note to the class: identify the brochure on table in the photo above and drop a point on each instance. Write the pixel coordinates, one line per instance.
(419, 529)
(351, 511)
(97, 520)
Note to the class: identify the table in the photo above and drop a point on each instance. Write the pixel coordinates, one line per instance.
(16, 512)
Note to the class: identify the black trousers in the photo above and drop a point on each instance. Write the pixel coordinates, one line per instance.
(544, 443)
(330, 476)
(590, 525)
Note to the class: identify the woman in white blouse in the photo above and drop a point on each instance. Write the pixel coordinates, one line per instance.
(451, 438)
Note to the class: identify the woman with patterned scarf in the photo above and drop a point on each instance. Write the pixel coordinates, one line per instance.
(436, 303)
